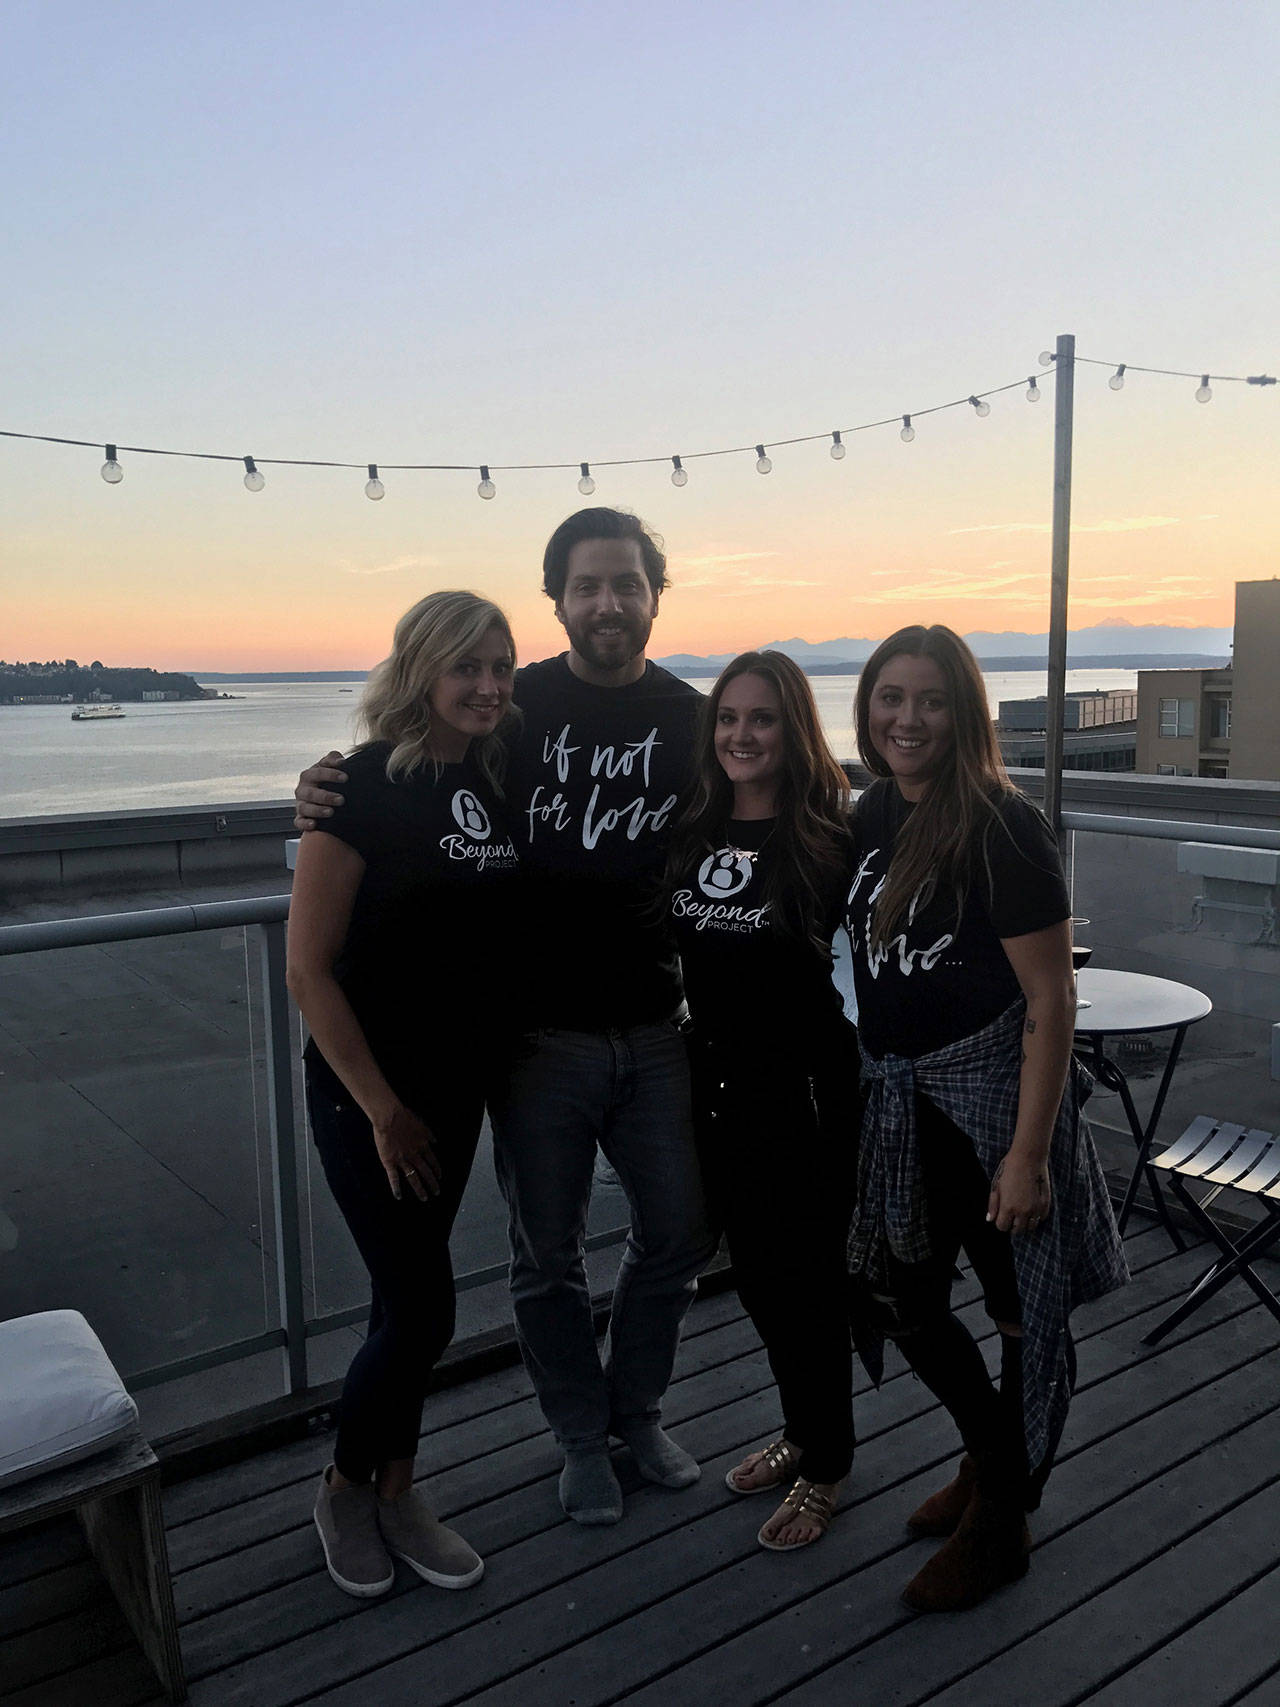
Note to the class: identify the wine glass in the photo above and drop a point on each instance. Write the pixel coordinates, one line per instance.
(1081, 955)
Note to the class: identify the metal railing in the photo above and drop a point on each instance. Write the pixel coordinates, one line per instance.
(267, 916)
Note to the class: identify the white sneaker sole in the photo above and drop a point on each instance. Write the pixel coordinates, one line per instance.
(438, 1579)
(362, 1591)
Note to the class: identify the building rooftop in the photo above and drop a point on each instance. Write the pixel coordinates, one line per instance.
(1155, 1574)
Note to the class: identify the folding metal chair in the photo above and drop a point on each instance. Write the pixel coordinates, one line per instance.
(1219, 1154)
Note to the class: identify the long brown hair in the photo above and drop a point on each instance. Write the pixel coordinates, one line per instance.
(939, 844)
(430, 638)
(811, 831)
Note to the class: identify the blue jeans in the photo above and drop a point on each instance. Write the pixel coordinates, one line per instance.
(627, 1093)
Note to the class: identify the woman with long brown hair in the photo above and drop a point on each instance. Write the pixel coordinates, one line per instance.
(758, 873)
(973, 1138)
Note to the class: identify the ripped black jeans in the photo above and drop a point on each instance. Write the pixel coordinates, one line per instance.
(914, 1310)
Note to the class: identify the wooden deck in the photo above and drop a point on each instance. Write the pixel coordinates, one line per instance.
(1156, 1576)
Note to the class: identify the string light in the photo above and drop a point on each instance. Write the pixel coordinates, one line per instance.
(112, 471)
(373, 487)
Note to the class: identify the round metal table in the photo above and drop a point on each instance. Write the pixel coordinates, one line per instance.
(1128, 1004)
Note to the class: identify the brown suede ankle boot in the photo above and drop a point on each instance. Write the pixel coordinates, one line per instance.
(942, 1511)
(991, 1546)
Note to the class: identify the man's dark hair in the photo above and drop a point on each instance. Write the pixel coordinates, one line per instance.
(601, 524)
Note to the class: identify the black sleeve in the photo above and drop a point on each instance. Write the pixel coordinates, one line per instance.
(357, 820)
(1028, 890)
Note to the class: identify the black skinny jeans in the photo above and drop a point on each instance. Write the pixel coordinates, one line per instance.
(405, 1247)
(778, 1153)
(915, 1311)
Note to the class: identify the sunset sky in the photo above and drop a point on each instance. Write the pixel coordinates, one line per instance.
(518, 233)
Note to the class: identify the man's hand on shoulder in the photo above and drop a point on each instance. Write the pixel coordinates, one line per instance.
(314, 797)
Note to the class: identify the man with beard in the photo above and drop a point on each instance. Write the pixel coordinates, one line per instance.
(597, 770)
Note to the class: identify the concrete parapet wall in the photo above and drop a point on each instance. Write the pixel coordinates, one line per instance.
(132, 852)
(128, 852)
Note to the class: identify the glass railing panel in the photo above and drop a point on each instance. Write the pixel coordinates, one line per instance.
(135, 1176)
(1175, 910)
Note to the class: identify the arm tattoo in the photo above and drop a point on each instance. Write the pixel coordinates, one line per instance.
(1031, 1025)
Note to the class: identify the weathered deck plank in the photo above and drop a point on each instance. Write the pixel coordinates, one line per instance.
(1156, 1569)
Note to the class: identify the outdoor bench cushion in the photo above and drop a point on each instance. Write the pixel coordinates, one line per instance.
(60, 1397)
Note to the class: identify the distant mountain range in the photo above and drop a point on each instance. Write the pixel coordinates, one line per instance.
(1114, 645)
(1117, 645)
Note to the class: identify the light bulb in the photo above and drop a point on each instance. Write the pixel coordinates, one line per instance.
(486, 488)
(679, 473)
(980, 406)
(837, 448)
(1116, 382)
(253, 481)
(1033, 390)
(1203, 390)
(373, 487)
(763, 463)
(586, 485)
(1047, 358)
(112, 472)
(908, 431)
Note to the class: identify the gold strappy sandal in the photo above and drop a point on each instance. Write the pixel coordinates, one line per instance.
(804, 1500)
(780, 1457)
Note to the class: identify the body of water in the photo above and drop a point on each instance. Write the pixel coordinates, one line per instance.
(206, 752)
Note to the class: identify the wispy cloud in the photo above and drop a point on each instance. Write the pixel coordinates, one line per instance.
(397, 566)
(1146, 583)
(951, 585)
(1115, 524)
(729, 574)
(1157, 596)
(712, 558)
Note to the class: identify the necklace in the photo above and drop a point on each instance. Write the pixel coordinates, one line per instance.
(750, 854)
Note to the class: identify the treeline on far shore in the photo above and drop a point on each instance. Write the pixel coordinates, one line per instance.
(62, 679)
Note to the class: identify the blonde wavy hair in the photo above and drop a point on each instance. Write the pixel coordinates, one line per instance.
(430, 638)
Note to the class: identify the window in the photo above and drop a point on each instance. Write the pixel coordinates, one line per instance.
(1173, 770)
(1177, 718)
(1220, 719)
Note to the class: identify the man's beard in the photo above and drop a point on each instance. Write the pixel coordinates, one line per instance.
(616, 651)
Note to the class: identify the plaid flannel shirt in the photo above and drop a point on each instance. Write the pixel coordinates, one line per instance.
(1075, 1255)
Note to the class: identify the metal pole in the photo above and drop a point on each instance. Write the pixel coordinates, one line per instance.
(1063, 410)
(284, 1161)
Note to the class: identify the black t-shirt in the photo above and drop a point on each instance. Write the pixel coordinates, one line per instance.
(596, 780)
(752, 987)
(939, 979)
(425, 964)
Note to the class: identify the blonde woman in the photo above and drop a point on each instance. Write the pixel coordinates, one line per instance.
(396, 940)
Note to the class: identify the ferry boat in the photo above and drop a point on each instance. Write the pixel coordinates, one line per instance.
(96, 713)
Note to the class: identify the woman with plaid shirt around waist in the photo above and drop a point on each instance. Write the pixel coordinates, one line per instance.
(973, 1137)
